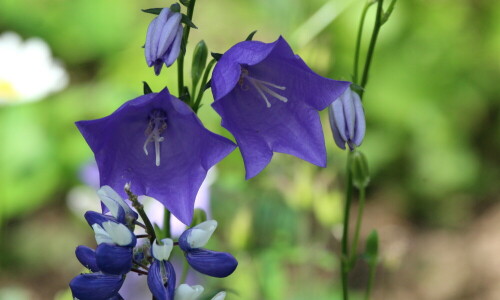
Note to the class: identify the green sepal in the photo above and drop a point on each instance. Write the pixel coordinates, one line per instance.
(154, 11)
(199, 216)
(185, 2)
(175, 7)
(250, 36)
(200, 54)
(371, 251)
(146, 88)
(158, 232)
(186, 20)
(359, 169)
(208, 84)
(216, 56)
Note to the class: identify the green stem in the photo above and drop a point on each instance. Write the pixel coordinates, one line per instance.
(371, 279)
(166, 224)
(140, 209)
(203, 82)
(185, 37)
(354, 248)
(358, 41)
(345, 234)
(185, 270)
(371, 47)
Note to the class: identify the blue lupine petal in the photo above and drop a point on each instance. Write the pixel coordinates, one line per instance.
(268, 99)
(96, 286)
(183, 243)
(112, 259)
(93, 217)
(118, 140)
(86, 256)
(161, 280)
(212, 263)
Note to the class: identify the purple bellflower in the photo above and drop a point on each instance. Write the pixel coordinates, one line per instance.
(211, 263)
(347, 120)
(158, 144)
(163, 40)
(269, 100)
(161, 274)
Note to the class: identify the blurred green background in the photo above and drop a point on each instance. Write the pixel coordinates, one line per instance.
(432, 142)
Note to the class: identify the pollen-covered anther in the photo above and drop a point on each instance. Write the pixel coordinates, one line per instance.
(263, 87)
(157, 124)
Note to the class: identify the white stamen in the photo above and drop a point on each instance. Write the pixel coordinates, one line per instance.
(262, 87)
(155, 128)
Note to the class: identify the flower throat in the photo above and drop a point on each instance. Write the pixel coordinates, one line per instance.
(157, 125)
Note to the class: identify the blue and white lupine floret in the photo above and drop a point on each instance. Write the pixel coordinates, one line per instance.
(211, 263)
(116, 205)
(96, 286)
(188, 292)
(161, 274)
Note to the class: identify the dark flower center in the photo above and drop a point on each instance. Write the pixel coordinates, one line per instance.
(156, 126)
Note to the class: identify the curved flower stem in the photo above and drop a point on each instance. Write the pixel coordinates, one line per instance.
(204, 81)
(358, 41)
(354, 247)
(180, 60)
(141, 272)
(140, 209)
(345, 235)
(371, 47)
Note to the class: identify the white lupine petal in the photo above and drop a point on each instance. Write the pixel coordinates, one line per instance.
(112, 200)
(162, 252)
(187, 292)
(201, 233)
(101, 236)
(118, 232)
(220, 296)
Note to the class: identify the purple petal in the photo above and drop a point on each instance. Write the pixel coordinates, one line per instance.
(174, 49)
(167, 34)
(96, 286)
(360, 120)
(349, 113)
(161, 280)
(111, 259)
(86, 256)
(118, 140)
(93, 217)
(211, 263)
(335, 131)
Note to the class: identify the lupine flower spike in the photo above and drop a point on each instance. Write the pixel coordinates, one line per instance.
(161, 275)
(163, 40)
(269, 100)
(347, 120)
(151, 142)
(212, 263)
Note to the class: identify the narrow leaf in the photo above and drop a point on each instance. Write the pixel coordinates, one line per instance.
(250, 36)
(154, 11)
(146, 88)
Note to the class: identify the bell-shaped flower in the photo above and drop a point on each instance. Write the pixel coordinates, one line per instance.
(116, 205)
(96, 286)
(161, 274)
(158, 144)
(211, 263)
(163, 39)
(347, 120)
(269, 100)
(187, 292)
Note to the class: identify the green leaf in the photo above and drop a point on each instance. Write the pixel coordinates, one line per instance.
(185, 96)
(216, 56)
(175, 7)
(158, 232)
(208, 84)
(250, 36)
(186, 20)
(154, 11)
(199, 62)
(359, 169)
(146, 88)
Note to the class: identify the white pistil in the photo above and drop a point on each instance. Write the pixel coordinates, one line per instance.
(155, 128)
(262, 88)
